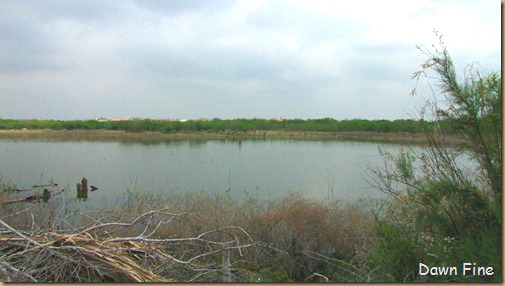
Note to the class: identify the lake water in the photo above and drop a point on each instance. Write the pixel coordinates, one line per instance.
(263, 169)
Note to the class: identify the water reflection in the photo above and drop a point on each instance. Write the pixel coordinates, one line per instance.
(236, 167)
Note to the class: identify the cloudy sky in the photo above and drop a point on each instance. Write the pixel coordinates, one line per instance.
(230, 59)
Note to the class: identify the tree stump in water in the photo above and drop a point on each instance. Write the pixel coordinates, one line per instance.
(82, 189)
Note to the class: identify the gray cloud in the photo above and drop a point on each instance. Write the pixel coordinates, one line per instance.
(168, 7)
(23, 45)
(36, 35)
(188, 59)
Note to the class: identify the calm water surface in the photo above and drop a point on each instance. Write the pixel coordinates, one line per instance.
(263, 169)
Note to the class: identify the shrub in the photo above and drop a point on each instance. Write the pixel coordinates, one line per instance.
(442, 214)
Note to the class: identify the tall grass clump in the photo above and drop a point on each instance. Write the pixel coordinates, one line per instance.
(441, 212)
(295, 237)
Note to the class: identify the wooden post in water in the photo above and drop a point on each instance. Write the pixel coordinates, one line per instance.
(82, 189)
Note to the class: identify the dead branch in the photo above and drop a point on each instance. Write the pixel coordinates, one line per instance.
(4, 267)
(88, 255)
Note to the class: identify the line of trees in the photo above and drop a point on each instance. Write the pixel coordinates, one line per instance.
(235, 125)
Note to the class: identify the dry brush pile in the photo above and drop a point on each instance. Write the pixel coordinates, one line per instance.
(105, 248)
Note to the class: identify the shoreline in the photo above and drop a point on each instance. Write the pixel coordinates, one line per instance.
(155, 137)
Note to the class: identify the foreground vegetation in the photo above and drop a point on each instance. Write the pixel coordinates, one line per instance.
(186, 238)
(442, 213)
(439, 213)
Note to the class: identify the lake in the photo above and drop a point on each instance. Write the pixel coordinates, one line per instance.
(263, 169)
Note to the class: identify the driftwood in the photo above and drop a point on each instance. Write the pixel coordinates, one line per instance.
(45, 196)
(110, 262)
(94, 254)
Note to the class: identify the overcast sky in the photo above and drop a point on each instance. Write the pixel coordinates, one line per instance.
(230, 59)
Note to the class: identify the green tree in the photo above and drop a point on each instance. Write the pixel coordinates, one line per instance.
(474, 109)
(442, 214)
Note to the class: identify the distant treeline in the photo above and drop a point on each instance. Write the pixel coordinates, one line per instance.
(234, 125)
